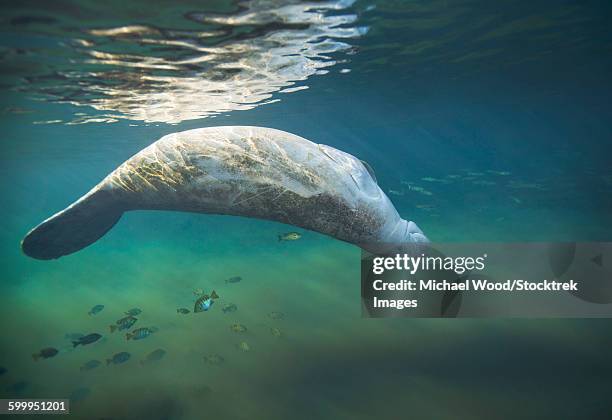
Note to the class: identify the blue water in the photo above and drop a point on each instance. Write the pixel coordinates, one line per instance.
(483, 122)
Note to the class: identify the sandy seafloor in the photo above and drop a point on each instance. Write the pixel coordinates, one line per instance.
(536, 131)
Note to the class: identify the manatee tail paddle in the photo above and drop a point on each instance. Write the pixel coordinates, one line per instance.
(73, 228)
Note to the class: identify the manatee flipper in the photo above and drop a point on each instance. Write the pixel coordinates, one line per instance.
(370, 170)
(73, 228)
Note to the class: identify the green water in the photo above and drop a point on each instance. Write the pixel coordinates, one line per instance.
(517, 93)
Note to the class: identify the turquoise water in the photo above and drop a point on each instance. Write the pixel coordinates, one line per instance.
(483, 123)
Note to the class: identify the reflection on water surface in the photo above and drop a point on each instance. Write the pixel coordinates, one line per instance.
(224, 61)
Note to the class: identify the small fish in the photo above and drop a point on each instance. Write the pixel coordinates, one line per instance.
(124, 323)
(396, 192)
(276, 332)
(79, 394)
(154, 356)
(96, 309)
(239, 328)
(45, 353)
(17, 110)
(87, 339)
(425, 207)
(201, 391)
(235, 279)
(73, 336)
(244, 346)
(214, 359)
(230, 307)
(525, 185)
(140, 333)
(92, 364)
(134, 312)
(484, 183)
(183, 311)
(119, 358)
(198, 292)
(204, 302)
(291, 236)
(18, 388)
(276, 315)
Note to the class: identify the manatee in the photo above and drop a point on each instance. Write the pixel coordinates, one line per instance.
(246, 171)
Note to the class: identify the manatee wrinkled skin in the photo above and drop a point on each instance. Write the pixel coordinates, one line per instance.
(243, 171)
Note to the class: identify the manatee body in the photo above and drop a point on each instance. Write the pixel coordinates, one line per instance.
(235, 170)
